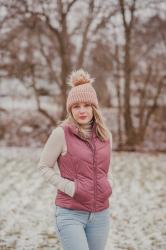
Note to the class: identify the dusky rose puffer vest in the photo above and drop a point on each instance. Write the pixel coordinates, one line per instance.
(87, 164)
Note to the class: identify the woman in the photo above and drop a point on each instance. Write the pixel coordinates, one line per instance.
(81, 148)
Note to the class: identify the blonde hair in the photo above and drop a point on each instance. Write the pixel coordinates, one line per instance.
(102, 131)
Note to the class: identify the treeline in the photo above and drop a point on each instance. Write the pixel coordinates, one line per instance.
(121, 43)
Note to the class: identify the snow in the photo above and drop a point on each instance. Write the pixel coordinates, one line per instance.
(137, 205)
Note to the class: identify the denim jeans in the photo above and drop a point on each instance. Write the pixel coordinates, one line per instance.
(81, 230)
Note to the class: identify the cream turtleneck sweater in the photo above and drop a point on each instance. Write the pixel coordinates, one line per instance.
(48, 165)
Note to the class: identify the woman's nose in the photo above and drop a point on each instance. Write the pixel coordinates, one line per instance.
(82, 110)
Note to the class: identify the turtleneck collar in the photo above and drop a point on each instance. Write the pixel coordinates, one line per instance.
(87, 126)
(85, 131)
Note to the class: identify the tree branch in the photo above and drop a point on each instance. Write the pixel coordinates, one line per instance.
(154, 106)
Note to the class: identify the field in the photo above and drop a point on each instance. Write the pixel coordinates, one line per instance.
(137, 205)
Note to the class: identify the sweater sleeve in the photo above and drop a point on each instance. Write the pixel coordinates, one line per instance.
(48, 162)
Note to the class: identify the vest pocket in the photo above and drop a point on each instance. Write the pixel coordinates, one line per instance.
(104, 189)
(83, 191)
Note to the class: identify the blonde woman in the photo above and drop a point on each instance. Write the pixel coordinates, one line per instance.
(81, 147)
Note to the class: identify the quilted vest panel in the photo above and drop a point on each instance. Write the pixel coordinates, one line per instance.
(87, 164)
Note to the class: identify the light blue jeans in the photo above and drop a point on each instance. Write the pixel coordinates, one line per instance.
(81, 230)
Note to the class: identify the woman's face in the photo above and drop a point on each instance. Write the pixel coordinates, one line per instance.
(82, 112)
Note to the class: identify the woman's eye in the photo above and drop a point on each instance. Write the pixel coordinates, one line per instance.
(85, 105)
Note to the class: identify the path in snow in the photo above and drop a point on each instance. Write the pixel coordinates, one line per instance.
(137, 206)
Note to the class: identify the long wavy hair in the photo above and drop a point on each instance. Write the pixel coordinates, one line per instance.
(102, 131)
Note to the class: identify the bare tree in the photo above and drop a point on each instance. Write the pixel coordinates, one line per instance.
(151, 78)
(41, 42)
(134, 62)
(131, 67)
(46, 29)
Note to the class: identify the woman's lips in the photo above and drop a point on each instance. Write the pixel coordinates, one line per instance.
(82, 117)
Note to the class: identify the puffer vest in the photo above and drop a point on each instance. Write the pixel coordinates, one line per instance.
(87, 164)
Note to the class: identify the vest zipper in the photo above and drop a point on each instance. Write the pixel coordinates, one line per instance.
(93, 148)
(94, 167)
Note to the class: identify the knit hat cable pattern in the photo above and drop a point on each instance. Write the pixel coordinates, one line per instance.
(82, 90)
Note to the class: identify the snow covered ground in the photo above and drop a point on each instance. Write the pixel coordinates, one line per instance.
(137, 206)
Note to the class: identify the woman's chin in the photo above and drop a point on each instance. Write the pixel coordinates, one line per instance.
(81, 122)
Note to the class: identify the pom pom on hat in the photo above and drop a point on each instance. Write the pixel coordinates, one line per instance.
(78, 77)
(82, 89)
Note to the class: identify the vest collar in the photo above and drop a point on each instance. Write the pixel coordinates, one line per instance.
(75, 130)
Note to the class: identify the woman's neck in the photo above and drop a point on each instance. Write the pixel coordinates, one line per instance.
(88, 125)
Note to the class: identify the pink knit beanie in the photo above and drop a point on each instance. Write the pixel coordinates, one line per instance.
(82, 89)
